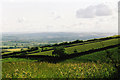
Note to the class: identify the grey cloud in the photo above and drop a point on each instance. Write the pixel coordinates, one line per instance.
(86, 13)
(103, 10)
(93, 11)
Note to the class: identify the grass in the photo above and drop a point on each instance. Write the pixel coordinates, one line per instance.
(97, 56)
(50, 70)
(17, 60)
(18, 49)
(12, 50)
(43, 53)
(82, 48)
(87, 66)
(86, 47)
(94, 65)
(70, 50)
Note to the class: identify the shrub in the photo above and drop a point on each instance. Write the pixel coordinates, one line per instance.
(59, 51)
(75, 51)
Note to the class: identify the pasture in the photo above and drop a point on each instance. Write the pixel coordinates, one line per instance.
(83, 47)
(94, 65)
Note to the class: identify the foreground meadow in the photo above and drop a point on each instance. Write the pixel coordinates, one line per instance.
(93, 65)
(50, 70)
(104, 63)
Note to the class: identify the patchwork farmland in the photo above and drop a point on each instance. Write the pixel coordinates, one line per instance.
(94, 58)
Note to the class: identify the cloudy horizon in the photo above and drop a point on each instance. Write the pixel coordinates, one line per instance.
(59, 16)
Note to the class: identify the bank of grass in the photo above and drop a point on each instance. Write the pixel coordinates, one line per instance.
(97, 56)
(86, 47)
(18, 60)
(59, 70)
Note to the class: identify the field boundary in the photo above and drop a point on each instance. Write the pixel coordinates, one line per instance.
(56, 59)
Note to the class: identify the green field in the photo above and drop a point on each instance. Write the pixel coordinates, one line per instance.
(87, 66)
(93, 65)
(97, 56)
(18, 49)
(50, 70)
(81, 48)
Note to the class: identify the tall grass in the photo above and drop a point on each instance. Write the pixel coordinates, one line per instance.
(50, 70)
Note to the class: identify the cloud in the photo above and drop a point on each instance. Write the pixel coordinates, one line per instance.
(57, 17)
(89, 12)
(21, 20)
(103, 10)
(94, 11)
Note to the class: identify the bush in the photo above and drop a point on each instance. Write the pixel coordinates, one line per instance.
(59, 51)
(75, 51)
(34, 48)
(23, 53)
(76, 41)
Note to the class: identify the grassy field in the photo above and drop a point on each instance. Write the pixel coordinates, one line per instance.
(89, 46)
(9, 51)
(50, 70)
(81, 48)
(94, 65)
(96, 56)
(18, 49)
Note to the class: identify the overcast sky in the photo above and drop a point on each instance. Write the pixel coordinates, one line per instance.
(59, 15)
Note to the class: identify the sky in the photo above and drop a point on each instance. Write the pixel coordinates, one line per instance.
(58, 16)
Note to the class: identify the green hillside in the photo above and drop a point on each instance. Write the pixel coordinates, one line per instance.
(80, 47)
(95, 58)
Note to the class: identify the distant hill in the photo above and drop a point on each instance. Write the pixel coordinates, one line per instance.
(52, 37)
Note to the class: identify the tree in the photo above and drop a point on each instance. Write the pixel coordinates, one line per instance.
(42, 49)
(34, 48)
(75, 51)
(59, 51)
(24, 53)
(45, 48)
(78, 41)
(22, 49)
(15, 46)
(28, 47)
